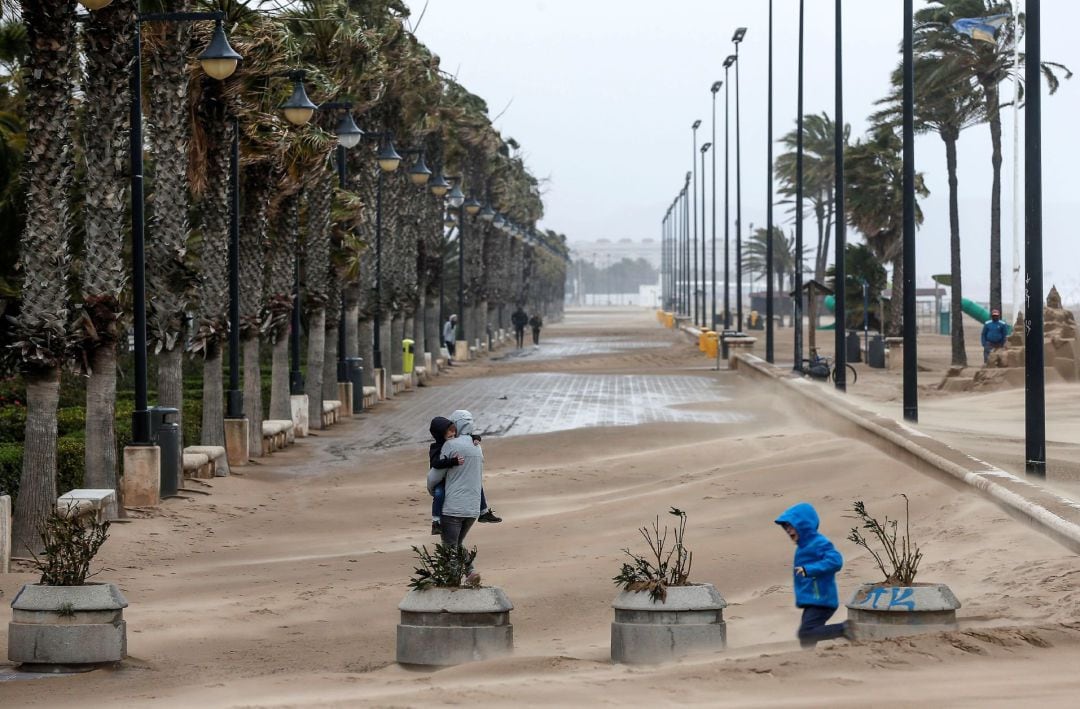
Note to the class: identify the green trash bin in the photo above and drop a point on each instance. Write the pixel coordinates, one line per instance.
(945, 320)
(407, 356)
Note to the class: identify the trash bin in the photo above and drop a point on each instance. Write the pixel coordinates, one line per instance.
(944, 322)
(876, 357)
(711, 344)
(354, 369)
(407, 356)
(854, 347)
(165, 433)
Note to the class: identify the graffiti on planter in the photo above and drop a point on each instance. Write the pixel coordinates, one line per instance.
(898, 597)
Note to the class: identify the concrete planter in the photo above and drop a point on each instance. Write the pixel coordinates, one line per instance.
(877, 611)
(67, 626)
(690, 620)
(451, 626)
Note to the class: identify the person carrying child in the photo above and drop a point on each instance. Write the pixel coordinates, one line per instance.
(814, 573)
(443, 429)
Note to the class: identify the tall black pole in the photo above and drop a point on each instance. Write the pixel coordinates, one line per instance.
(461, 277)
(140, 418)
(296, 377)
(727, 206)
(770, 354)
(686, 227)
(376, 351)
(911, 371)
(342, 370)
(738, 201)
(715, 88)
(704, 292)
(234, 401)
(1034, 374)
(798, 353)
(694, 234)
(840, 358)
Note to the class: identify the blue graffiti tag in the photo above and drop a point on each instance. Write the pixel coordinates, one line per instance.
(872, 597)
(900, 598)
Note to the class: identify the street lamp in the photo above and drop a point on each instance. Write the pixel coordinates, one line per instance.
(737, 38)
(456, 199)
(727, 194)
(487, 213)
(769, 295)
(419, 173)
(840, 354)
(388, 161)
(348, 133)
(798, 338)
(911, 371)
(217, 60)
(695, 313)
(298, 108)
(1034, 353)
(438, 185)
(704, 149)
(715, 88)
(94, 4)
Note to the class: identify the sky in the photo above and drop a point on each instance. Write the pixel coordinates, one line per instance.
(601, 95)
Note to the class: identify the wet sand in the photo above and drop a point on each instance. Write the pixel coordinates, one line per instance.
(280, 588)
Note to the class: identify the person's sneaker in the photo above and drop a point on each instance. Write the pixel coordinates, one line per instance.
(489, 517)
(436, 528)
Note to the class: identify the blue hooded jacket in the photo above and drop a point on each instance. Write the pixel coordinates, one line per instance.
(816, 555)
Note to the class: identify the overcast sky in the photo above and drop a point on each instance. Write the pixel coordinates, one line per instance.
(602, 93)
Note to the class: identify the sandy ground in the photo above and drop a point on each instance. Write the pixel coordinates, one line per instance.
(280, 588)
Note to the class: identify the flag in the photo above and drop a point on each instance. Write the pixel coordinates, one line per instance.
(982, 29)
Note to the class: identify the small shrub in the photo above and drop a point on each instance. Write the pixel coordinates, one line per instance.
(69, 420)
(903, 555)
(11, 455)
(12, 423)
(667, 567)
(443, 569)
(70, 544)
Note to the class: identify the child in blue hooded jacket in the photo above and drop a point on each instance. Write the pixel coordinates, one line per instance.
(814, 573)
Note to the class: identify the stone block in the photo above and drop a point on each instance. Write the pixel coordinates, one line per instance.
(344, 395)
(5, 534)
(876, 612)
(67, 625)
(689, 621)
(141, 480)
(298, 403)
(100, 503)
(218, 456)
(451, 626)
(237, 443)
(461, 351)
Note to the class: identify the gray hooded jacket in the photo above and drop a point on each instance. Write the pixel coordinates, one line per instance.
(463, 482)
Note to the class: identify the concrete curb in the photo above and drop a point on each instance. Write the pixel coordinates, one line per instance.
(1043, 509)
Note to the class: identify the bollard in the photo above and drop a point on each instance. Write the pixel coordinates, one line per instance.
(354, 369)
(166, 434)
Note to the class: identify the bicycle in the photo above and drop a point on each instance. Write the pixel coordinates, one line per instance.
(829, 368)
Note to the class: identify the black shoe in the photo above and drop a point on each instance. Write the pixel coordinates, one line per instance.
(436, 528)
(489, 516)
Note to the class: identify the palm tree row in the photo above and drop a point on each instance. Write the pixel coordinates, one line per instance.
(359, 53)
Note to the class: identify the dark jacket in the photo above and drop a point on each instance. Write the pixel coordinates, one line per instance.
(994, 333)
(816, 555)
(439, 427)
(535, 322)
(519, 319)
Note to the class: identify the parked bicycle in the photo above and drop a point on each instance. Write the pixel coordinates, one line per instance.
(823, 368)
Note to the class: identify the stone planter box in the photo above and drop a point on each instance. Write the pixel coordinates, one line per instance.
(452, 626)
(876, 611)
(66, 626)
(690, 620)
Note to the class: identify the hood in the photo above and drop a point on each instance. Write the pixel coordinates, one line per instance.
(804, 518)
(439, 427)
(464, 422)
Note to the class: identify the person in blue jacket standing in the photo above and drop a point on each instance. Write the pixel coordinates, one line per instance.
(814, 573)
(994, 334)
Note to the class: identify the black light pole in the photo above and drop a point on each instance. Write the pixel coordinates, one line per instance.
(704, 292)
(234, 398)
(798, 350)
(770, 355)
(737, 38)
(911, 371)
(840, 356)
(1034, 374)
(727, 194)
(388, 160)
(696, 312)
(686, 227)
(714, 89)
(218, 61)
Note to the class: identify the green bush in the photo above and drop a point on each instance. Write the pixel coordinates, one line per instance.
(10, 467)
(12, 424)
(70, 459)
(70, 419)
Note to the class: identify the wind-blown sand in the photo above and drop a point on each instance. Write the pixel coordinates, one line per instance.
(281, 588)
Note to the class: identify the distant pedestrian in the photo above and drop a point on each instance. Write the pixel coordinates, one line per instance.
(449, 336)
(519, 320)
(994, 334)
(814, 573)
(536, 322)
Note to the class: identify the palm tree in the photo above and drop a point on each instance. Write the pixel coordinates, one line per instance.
(41, 330)
(13, 51)
(784, 260)
(984, 65)
(316, 274)
(944, 104)
(108, 36)
(279, 302)
(874, 175)
(819, 135)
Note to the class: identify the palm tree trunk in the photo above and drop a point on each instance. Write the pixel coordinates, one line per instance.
(432, 327)
(819, 258)
(993, 110)
(959, 356)
(280, 406)
(329, 364)
(213, 399)
(170, 382)
(397, 329)
(253, 394)
(37, 484)
(313, 380)
(100, 472)
(896, 314)
(366, 336)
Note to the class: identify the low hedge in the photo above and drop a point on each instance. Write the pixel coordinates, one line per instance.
(70, 458)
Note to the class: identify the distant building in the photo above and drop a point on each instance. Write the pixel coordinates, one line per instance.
(603, 252)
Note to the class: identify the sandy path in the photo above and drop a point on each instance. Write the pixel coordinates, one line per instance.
(280, 589)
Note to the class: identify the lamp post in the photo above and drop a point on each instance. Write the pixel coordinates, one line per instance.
(727, 193)
(388, 161)
(737, 39)
(770, 354)
(715, 88)
(798, 349)
(695, 314)
(704, 310)
(219, 61)
(1034, 356)
(840, 354)
(686, 241)
(911, 371)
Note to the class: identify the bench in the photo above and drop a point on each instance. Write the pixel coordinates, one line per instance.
(219, 460)
(330, 410)
(99, 503)
(371, 396)
(276, 434)
(197, 465)
(398, 382)
(421, 375)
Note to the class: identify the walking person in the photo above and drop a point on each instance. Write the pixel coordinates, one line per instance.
(536, 322)
(994, 334)
(463, 485)
(519, 320)
(449, 337)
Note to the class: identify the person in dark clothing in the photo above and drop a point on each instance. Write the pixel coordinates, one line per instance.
(519, 320)
(814, 573)
(535, 322)
(441, 430)
(994, 334)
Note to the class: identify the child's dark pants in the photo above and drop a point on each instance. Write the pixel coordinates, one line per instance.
(813, 628)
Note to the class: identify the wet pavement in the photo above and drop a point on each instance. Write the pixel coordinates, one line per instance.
(561, 347)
